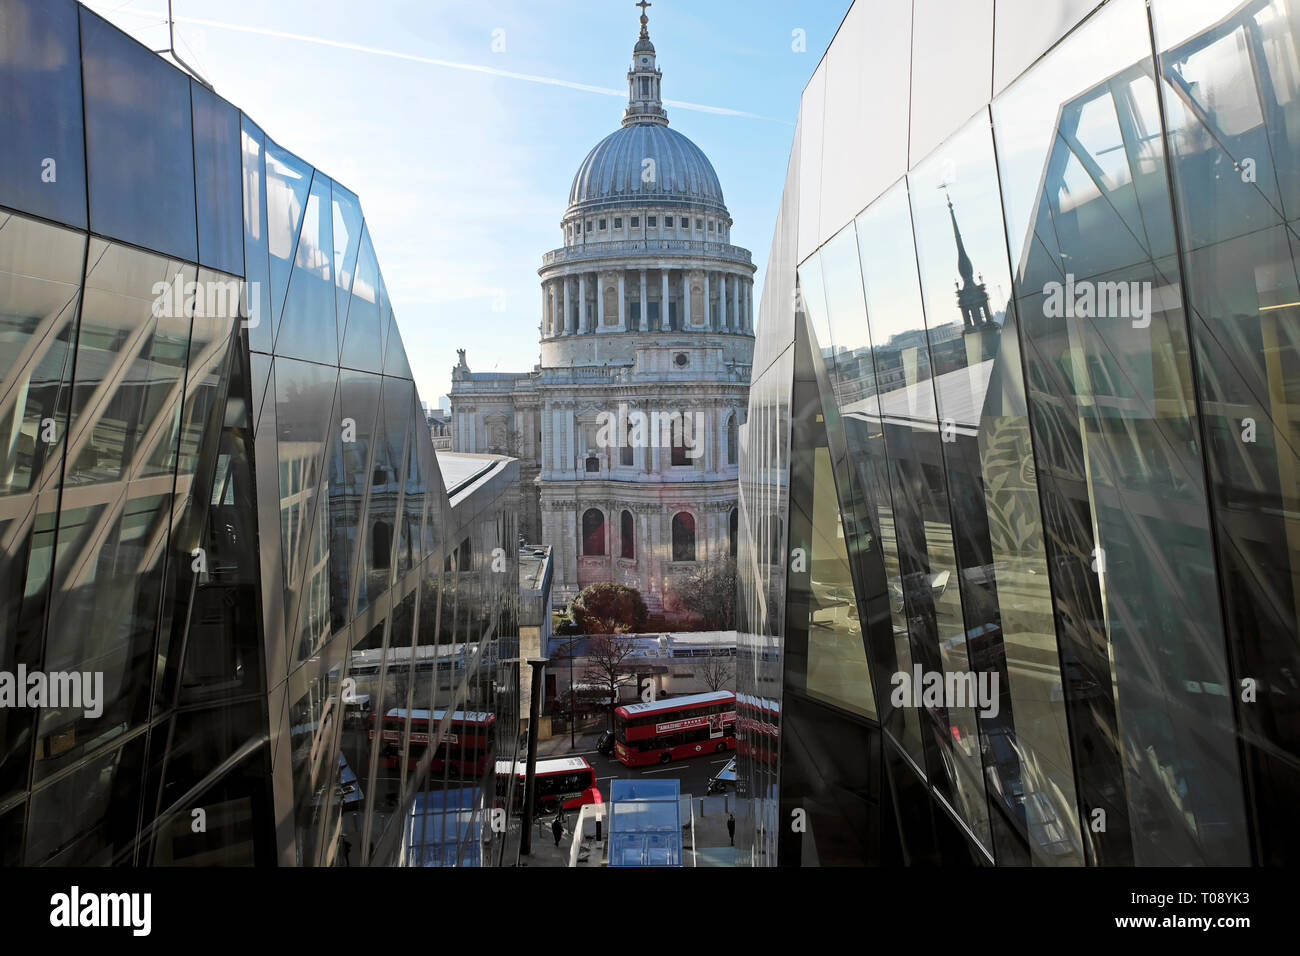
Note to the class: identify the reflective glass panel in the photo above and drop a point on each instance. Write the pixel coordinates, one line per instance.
(307, 328)
(217, 180)
(43, 164)
(1117, 442)
(139, 142)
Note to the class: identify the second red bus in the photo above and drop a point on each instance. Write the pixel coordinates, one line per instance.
(665, 730)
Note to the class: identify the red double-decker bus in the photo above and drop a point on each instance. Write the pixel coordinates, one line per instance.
(465, 746)
(562, 783)
(665, 730)
(758, 728)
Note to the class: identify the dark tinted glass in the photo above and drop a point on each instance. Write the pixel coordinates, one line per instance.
(347, 243)
(1231, 110)
(40, 275)
(43, 163)
(217, 180)
(118, 495)
(984, 426)
(305, 423)
(89, 818)
(139, 143)
(362, 348)
(257, 266)
(288, 181)
(928, 575)
(307, 329)
(1116, 435)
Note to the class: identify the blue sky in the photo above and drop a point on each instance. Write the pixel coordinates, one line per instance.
(464, 171)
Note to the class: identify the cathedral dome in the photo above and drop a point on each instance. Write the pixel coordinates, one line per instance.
(616, 172)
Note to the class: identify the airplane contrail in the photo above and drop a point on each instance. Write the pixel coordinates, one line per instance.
(449, 64)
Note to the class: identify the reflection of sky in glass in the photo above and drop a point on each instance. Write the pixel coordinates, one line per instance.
(965, 164)
(1177, 20)
(889, 266)
(813, 299)
(843, 284)
(1035, 101)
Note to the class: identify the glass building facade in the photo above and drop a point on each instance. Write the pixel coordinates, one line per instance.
(219, 496)
(1025, 416)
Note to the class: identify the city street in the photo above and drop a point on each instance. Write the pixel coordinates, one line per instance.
(694, 773)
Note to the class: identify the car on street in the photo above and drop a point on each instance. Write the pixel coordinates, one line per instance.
(725, 780)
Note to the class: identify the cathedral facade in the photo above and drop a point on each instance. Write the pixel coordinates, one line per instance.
(627, 430)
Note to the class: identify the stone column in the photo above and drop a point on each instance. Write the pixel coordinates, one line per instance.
(568, 312)
(572, 464)
(749, 305)
(642, 551)
(600, 303)
(663, 301)
(582, 302)
(707, 439)
(686, 299)
(722, 302)
(622, 300)
(644, 324)
(735, 306)
(708, 312)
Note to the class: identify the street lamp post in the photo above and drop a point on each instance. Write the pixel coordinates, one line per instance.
(530, 779)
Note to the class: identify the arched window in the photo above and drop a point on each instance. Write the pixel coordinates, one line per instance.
(627, 536)
(733, 440)
(683, 536)
(733, 524)
(593, 532)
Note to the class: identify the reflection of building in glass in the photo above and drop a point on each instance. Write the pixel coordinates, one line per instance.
(1095, 502)
(646, 309)
(227, 502)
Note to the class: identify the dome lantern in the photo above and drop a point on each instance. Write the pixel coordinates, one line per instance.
(644, 105)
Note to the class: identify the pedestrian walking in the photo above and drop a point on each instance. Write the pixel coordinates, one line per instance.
(557, 827)
(731, 827)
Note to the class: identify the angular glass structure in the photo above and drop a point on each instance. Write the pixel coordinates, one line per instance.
(1019, 530)
(244, 618)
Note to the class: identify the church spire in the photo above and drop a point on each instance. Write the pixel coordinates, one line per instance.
(644, 105)
(972, 296)
(963, 261)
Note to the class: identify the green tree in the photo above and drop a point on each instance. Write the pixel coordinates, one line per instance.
(609, 608)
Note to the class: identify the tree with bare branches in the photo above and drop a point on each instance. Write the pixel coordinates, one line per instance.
(609, 665)
(715, 672)
(710, 592)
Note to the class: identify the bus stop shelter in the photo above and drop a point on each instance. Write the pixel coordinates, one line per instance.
(645, 827)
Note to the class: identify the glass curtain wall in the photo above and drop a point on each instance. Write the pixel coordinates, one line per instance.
(1057, 368)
